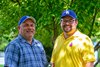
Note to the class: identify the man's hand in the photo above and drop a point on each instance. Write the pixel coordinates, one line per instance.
(90, 64)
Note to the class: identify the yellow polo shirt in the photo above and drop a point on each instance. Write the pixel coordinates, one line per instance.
(74, 51)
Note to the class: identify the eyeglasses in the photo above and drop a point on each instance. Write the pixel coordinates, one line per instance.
(67, 21)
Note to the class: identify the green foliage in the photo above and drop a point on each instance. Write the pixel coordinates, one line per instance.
(99, 53)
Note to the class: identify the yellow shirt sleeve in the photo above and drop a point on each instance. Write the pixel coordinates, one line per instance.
(88, 51)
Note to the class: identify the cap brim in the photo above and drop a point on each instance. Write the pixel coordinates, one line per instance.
(68, 15)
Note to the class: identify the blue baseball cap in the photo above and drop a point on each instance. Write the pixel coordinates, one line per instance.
(70, 13)
(25, 18)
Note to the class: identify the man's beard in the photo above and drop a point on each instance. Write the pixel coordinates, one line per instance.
(68, 29)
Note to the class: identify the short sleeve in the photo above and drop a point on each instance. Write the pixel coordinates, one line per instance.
(88, 50)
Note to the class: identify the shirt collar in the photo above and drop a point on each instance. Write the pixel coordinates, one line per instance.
(77, 33)
(23, 39)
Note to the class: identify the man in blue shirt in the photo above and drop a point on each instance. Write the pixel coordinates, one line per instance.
(24, 50)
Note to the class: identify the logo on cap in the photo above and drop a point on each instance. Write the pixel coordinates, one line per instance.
(67, 12)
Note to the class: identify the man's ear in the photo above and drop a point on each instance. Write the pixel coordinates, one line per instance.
(18, 27)
(76, 21)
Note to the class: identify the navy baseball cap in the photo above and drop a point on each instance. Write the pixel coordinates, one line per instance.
(70, 13)
(25, 18)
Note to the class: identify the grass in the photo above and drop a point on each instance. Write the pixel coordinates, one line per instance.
(98, 65)
(1, 66)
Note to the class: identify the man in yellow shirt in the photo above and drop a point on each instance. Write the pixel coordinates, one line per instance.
(72, 48)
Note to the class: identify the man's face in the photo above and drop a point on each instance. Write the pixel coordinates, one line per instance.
(68, 24)
(27, 29)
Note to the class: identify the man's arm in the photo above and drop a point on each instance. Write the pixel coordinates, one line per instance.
(51, 65)
(90, 64)
(43, 55)
(11, 56)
